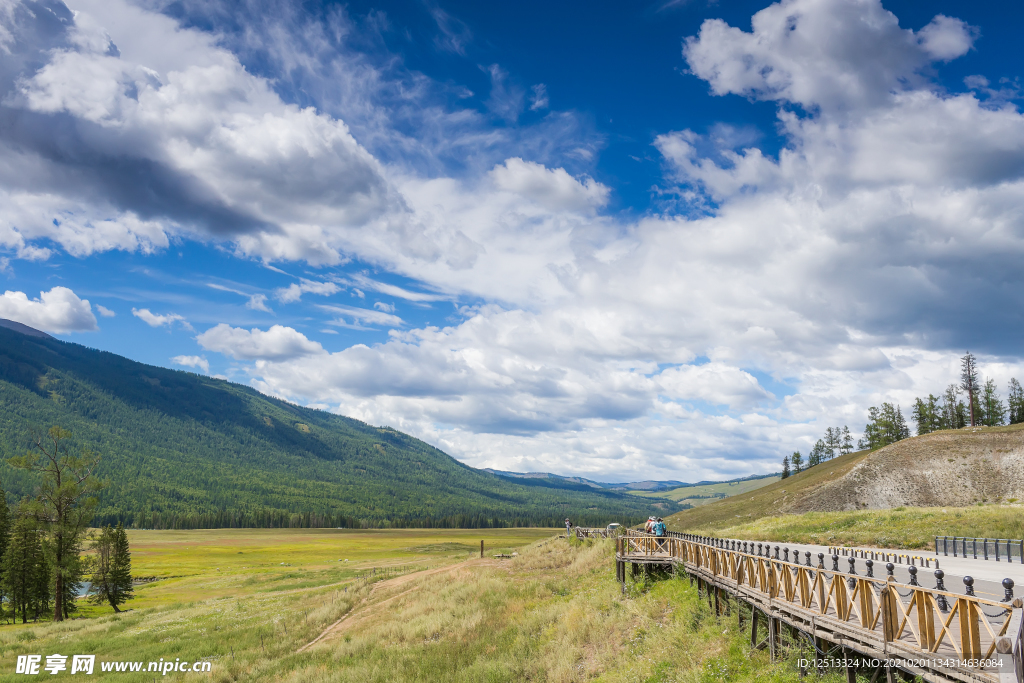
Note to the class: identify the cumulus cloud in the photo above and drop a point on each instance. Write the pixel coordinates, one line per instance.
(553, 189)
(105, 312)
(59, 310)
(818, 53)
(182, 139)
(158, 320)
(192, 362)
(276, 344)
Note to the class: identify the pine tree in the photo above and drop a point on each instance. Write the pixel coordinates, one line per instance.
(785, 467)
(1015, 401)
(5, 536)
(25, 574)
(797, 461)
(64, 505)
(953, 413)
(817, 454)
(847, 444)
(993, 412)
(901, 431)
(927, 415)
(969, 381)
(112, 578)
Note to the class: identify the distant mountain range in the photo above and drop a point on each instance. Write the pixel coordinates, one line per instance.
(182, 450)
(647, 486)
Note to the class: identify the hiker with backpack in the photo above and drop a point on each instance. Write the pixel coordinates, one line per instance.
(568, 528)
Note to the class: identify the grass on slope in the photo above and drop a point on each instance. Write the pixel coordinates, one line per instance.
(763, 502)
(910, 528)
(706, 493)
(555, 613)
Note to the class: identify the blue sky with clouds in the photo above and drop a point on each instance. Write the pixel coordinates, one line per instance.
(623, 240)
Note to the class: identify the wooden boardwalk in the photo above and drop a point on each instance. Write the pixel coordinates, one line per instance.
(883, 627)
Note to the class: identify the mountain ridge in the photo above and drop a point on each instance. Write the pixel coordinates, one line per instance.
(185, 450)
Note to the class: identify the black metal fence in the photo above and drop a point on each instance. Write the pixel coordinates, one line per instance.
(998, 549)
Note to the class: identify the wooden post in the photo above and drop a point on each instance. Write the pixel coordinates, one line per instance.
(753, 626)
(718, 603)
(481, 547)
(890, 614)
(970, 637)
(773, 635)
(925, 620)
(851, 671)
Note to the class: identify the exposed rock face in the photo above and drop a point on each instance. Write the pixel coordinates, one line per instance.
(955, 468)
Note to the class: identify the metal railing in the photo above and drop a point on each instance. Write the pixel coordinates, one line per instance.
(1005, 549)
(938, 634)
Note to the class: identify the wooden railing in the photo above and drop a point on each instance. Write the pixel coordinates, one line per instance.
(584, 532)
(937, 634)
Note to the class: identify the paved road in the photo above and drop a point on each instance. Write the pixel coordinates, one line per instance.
(988, 574)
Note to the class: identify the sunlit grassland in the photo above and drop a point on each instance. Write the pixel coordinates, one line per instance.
(241, 583)
(904, 527)
(553, 613)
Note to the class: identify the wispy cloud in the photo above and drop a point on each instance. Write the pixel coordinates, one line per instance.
(157, 320)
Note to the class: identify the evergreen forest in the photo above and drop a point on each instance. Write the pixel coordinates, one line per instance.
(182, 450)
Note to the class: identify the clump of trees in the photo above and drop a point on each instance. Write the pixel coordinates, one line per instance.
(835, 442)
(41, 563)
(983, 406)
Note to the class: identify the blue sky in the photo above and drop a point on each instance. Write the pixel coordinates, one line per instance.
(623, 240)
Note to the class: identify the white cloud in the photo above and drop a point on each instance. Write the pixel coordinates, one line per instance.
(105, 312)
(349, 316)
(387, 308)
(540, 97)
(294, 292)
(837, 56)
(276, 344)
(394, 290)
(58, 310)
(230, 158)
(947, 38)
(847, 267)
(157, 320)
(553, 189)
(193, 362)
(258, 302)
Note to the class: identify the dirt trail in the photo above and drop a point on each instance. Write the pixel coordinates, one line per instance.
(354, 615)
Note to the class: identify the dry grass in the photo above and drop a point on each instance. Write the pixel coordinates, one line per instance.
(554, 613)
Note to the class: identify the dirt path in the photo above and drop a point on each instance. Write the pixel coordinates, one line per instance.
(354, 614)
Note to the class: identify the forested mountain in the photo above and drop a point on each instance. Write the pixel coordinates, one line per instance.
(184, 450)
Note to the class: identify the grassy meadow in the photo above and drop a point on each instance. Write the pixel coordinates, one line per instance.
(552, 613)
(903, 527)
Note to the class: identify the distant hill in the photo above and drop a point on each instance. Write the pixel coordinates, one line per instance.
(707, 492)
(184, 450)
(952, 468)
(629, 486)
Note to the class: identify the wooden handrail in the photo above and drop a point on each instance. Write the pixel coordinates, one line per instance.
(876, 614)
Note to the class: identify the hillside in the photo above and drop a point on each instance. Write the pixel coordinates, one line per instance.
(948, 468)
(701, 494)
(183, 450)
